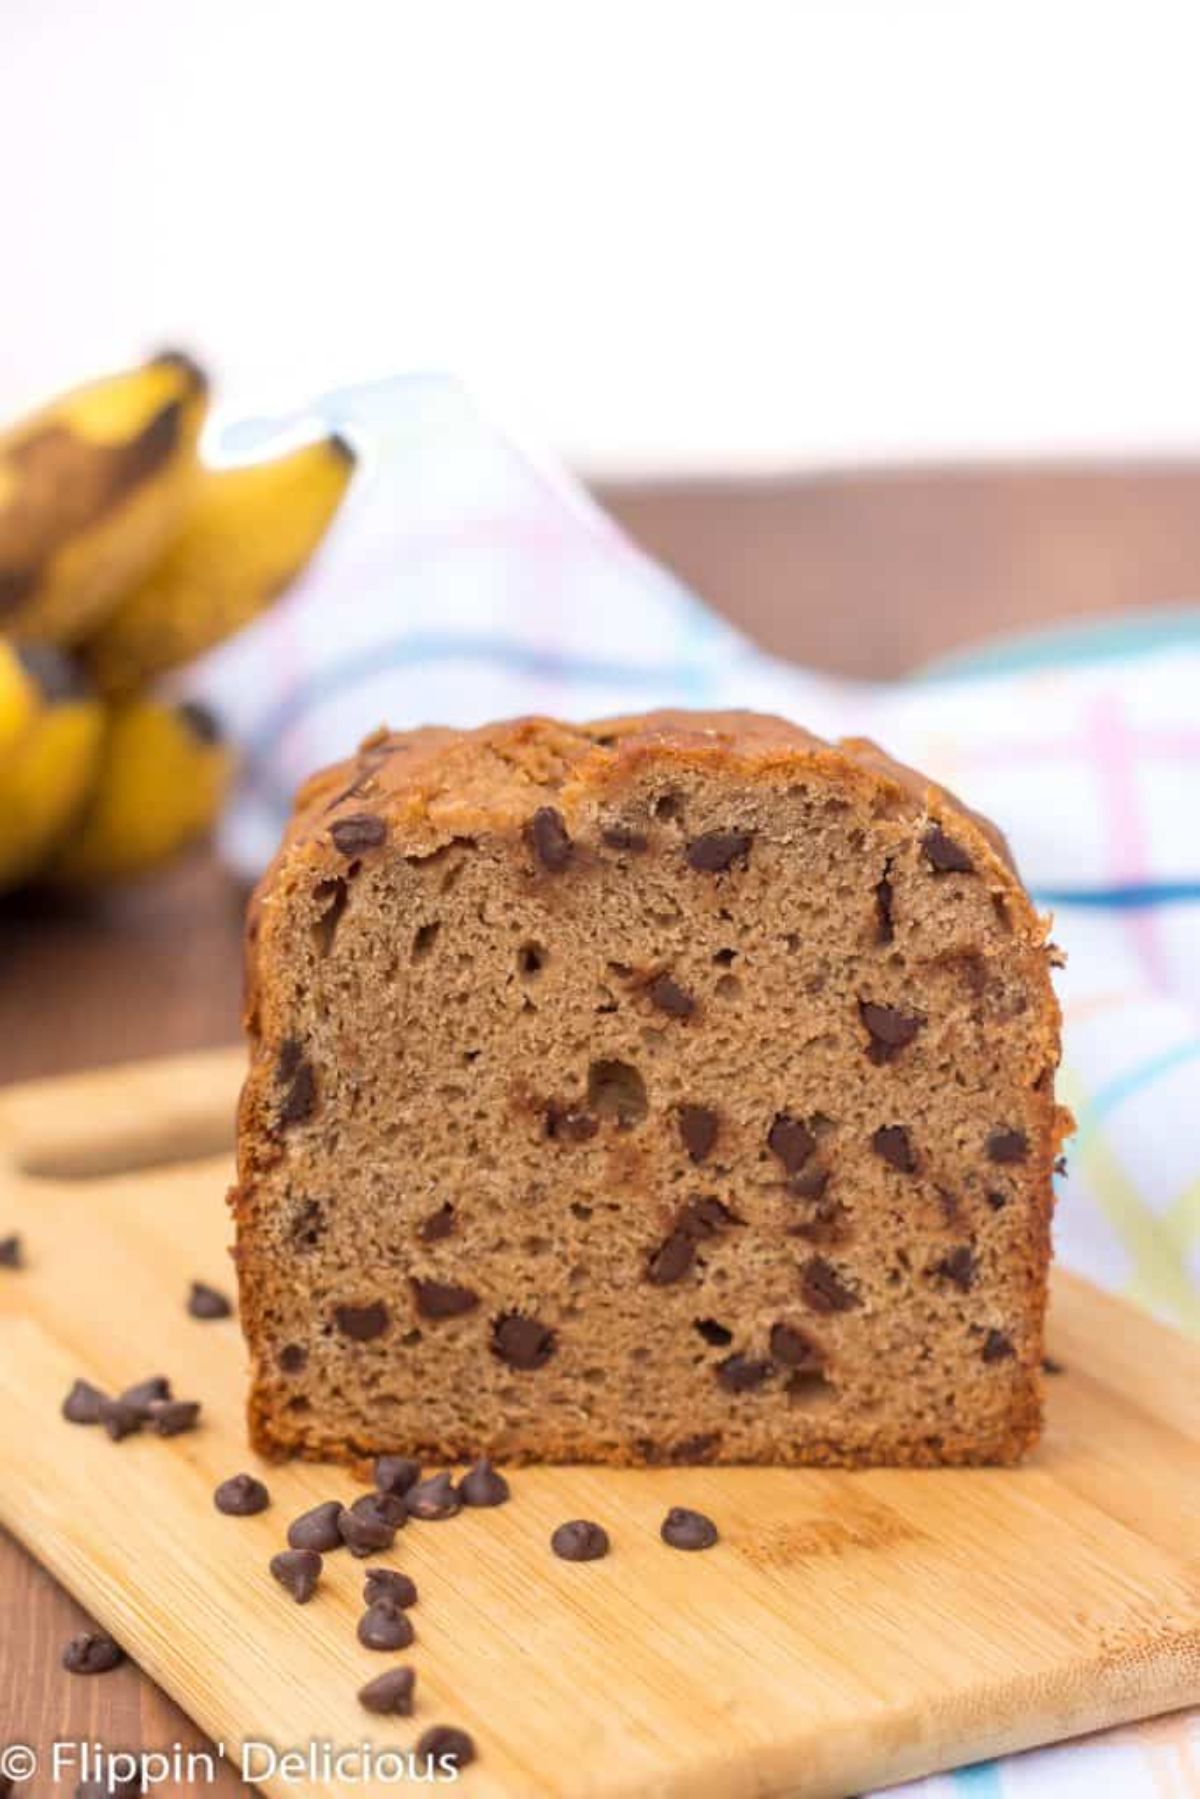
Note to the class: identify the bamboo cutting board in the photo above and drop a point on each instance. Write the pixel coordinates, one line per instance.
(848, 1631)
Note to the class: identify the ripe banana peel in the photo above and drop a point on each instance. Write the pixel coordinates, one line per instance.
(46, 778)
(18, 698)
(92, 490)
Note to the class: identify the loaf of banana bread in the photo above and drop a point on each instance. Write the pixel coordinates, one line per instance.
(676, 1088)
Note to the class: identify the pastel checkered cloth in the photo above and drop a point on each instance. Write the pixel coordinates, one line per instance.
(463, 581)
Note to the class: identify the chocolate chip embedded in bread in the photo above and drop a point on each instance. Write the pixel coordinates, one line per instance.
(624, 837)
(685, 1529)
(522, 1342)
(793, 1348)
(698, 1127)
(997, 1345)
(434, 1499)
(567, 1124)
(294, 1074)
(389, 1584)
(438, 1225)
(362, 1323)
(396, 1473)
(93, 1652)
(740, 1374)
(580, 1540)
(385, 1626)
(884, 922)
(944, 855)
(441, 1299)
(241, 1496)
(791, 1141)
(317, 1528)
(959, 1267)
(297, 1571)
(389, 1694)
(482, 1485)
(550, 839)
(714, 1333)
(1006, 1145)
(207, 1302)
(716, 851)
(360, 831)
(445, 1747)
(889, 1029)
(891, 1144)
(83, 1403)
(293, 1358)
(672, 1259)
(670, 997)
(823, 1289)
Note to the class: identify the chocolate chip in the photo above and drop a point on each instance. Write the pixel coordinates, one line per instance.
(670, 997)
(365, 1533)
(580, 1541)
(390, 1507)
(791, 1141)
(482, 1485)
(293, 1357)
(1051, 1366)
(143, 1393)
(438, 1299)
(207, 1302)
(997, 1201)
(297, 1571)
(884, 923)
(738, 1374)
(11, 1253)
(120, 1419)
(714, 1333)
(891, 1143)
(1005, 1145)
(447, 1747)
(362, 1323)
(699, 1448)
(388, 1583)
(684, 1529)
(889, 1030)
(172, 1417)
(809, 1185)
(549, 837)
(959, 1267)
(566, 1124)
(996, 1346)
(705, 1216)
(83, 1403)
(792, 1349)
(241, 1496)
(299, 1102)
(384, 1626)
(438, 1225)
(823, 1289)
(360, 831)
(672, 1259)
(390, 1694)
(698, 1128)
(433, 1499)
(92, 1653)
(396, 1473)
(944, 855)
(317, 1528)
(623, 837)
(522, 1342)
(716, 851)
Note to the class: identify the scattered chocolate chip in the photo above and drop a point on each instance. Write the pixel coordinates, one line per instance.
(793, 1349)
(317, 1528)
(396, 1473)
(684, 1529)
(889, 1030)
(550, 840)
(11, 1252)
(438, 1225)
(623, 837)
(670, 997)
(365, 1533)
(362, 1323)
(207, 1302)
(714, 1333)
(83, 1404)
(791, 1141)
(958, 1266)
(390, 1694)
(389, 1584)
(293, 1357)
(891, 1143)
(241, 1496)
(121, 1419)
(482, 1485)
(385, 1626)
(360, 831)
(447, 1747)
(885, 926)
(172, 1417)
(1051, 1366)
(739, 1374)
(390, 1507)
(996, 1346)
(823, 1289)
(944, 855)
(297, 1571)
(144, 1393)
(580, 1541)
(1004, 1145)
(439, 1299)
(698, 1128)
(433, 1499)
(672, 1259)
(567, 1124)
(92, 1653)
(716, 851)
(522, 1342)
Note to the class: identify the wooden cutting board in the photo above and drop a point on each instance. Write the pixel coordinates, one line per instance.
(849, 1631)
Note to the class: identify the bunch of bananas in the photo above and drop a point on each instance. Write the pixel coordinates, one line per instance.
(122, 557)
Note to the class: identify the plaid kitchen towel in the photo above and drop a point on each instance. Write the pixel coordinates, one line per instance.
(464, 581)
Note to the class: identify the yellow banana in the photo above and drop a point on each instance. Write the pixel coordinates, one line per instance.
(247, 534)
(92, 490)
(45, 780)
(18, 697)
(162, 777)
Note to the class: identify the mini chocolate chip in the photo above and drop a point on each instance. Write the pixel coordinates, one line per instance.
(1051, 1366)
(884, 922)
(207, 1302)
(11, 1252)
(945, 855)
(433, 1499)
(958, 1266)
(241, 1496)
(793, 1349)
(716, 851)
(996, 1346)
(446, 1746)
(714, 1333)
(738, 1374)
(92, 1653)
(823, 1289)
(362, 1323)
(83, 1404)
(172, 1417)
(438, 1299)
(889, 1030)
(388, 1583)
(791, 1141)
(297, 1571)
(891, 1143)
(438, 1225)
(384, 1626)
(522, 1342)
(482, 1485)
(143, 1393)
(390, 1507)
(698, 1128)
(120, 1419)
(317, 1528)
(670, 997)
(360, 831)
(365, 1533)
(684, 1529)
(293, 1357)
(396, 1473)
(672, 1259)
(567, 1124)
(623, 837)
(551, 842)
(390, 1694)
(580, 1541)
(1005, 1145)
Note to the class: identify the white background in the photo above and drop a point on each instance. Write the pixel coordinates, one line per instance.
(652, 235)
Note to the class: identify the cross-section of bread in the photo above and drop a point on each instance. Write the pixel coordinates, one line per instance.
(678, 1088)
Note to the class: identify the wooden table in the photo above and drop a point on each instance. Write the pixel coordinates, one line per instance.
(868, 574)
